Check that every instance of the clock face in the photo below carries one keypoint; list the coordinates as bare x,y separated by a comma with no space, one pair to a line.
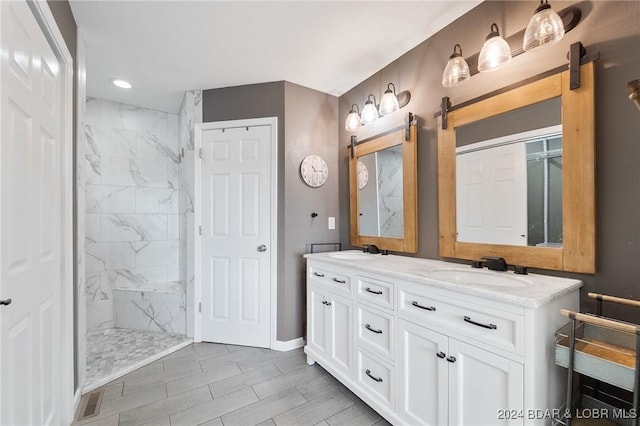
363,175
314,171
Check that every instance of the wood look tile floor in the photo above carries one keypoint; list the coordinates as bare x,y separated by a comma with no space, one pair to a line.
215,384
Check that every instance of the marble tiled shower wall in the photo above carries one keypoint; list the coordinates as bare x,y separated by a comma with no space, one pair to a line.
190,114
132,203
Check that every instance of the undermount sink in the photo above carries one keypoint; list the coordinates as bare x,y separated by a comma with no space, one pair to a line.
485,278
351,256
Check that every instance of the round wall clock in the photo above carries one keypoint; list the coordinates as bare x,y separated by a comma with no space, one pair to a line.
363,175
314,171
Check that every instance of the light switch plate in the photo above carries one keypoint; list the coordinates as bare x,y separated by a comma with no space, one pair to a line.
332,222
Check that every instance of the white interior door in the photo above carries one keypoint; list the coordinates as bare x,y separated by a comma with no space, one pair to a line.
491,192
236,246
31,223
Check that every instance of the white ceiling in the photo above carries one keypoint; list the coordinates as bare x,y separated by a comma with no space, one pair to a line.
166,47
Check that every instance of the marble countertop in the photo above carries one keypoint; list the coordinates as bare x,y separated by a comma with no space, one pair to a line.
531,291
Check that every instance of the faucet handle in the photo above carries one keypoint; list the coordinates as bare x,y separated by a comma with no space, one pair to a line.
495,263
373,249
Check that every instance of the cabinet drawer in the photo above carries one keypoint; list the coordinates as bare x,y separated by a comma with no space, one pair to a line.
334,279
375,331
504,330
376,378
375,291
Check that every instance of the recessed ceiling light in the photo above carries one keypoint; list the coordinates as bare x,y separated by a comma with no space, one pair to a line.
122,84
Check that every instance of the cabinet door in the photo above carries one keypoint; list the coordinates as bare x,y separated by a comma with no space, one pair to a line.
317,320
339,332
483,385
422,375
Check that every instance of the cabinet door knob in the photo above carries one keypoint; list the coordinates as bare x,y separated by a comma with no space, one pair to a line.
441,355
451,359
262,248
368,327
377,379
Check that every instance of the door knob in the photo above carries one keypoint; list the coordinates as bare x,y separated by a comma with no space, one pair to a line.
5,302
262,248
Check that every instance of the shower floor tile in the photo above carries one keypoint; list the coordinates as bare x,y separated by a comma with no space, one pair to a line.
114,352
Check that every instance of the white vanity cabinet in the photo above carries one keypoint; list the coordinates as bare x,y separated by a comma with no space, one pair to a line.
421,350
329,319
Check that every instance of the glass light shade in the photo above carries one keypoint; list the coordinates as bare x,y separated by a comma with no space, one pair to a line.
353,122
494,53
456,72
545,28
369,113
389,103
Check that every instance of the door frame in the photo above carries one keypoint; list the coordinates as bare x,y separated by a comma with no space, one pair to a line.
197,205
52,33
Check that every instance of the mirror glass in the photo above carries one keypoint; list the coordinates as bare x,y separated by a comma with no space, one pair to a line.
380,198
383,190
516,174
509,178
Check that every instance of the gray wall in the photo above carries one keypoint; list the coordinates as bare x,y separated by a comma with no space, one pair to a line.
608,27
307,124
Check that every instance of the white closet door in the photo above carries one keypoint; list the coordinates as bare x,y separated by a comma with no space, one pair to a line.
236,232
30,222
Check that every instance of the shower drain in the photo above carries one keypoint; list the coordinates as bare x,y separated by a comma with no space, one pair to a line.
90,405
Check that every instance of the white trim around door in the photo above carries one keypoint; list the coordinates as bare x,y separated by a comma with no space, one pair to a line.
199,129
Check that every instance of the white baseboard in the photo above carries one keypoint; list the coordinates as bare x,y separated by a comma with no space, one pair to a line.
289,345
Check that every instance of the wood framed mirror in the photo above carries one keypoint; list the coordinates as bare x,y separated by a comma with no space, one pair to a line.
383,191
575,250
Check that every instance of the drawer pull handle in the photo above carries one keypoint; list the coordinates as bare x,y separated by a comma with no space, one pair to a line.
318,275
368,327
328,303
324,302
372,291
479,324
426,308
377,379
441,355
451,359
339,281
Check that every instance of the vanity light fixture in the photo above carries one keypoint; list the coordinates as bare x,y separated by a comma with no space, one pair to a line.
457,69
369,112
121,83
495,52
353,119
545,28
389,102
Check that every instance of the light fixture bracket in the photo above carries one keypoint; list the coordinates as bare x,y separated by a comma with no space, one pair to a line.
544,4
